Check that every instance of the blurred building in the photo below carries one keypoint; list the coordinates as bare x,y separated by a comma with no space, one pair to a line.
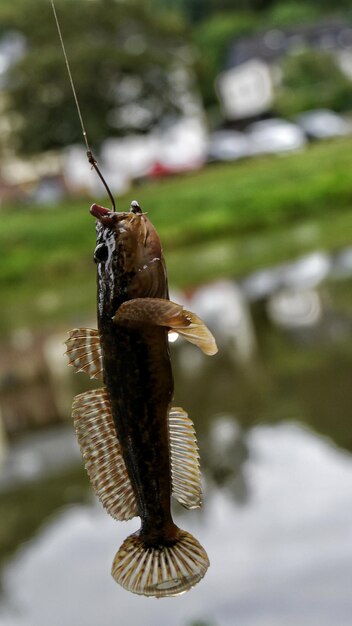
246,86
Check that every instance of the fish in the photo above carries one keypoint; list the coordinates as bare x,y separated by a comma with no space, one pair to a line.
138,450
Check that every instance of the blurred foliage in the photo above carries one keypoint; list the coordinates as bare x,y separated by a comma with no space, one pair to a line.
122,57
292,13
311,80
199,10
227,220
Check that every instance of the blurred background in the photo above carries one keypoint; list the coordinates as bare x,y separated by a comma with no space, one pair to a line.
231,123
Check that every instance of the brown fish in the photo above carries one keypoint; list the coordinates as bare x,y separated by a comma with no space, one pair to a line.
139,451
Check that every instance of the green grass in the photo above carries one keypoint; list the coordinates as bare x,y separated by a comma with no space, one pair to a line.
226,220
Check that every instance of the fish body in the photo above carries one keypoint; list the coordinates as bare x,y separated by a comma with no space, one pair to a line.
138,450
137,368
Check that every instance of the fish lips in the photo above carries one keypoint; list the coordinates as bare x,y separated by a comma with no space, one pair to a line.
105,216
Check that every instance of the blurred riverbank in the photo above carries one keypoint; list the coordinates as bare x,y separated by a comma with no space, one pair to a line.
226,221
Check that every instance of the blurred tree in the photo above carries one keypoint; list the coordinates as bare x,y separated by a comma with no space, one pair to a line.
198,10
286,14
122,57
312,79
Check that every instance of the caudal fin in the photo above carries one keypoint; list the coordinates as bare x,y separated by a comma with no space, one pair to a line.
162,571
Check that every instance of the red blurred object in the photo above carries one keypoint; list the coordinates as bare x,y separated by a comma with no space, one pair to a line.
159,169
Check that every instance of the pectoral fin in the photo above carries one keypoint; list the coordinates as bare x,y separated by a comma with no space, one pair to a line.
101,451
84,352
185,472
163,312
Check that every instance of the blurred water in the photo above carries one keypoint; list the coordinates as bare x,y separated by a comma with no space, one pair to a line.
272,414
284,558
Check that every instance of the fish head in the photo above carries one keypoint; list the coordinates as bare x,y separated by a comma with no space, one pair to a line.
128,249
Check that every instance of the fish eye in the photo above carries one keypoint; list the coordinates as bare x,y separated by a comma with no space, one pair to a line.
101,253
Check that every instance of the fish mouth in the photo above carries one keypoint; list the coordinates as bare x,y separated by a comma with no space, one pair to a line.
105,216
111,219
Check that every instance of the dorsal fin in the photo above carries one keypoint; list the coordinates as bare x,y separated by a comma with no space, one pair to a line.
84,351
185,471
101,451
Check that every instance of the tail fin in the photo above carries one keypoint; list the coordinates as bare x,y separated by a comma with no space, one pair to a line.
162,571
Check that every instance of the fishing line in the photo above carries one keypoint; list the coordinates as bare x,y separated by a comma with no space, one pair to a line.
90,156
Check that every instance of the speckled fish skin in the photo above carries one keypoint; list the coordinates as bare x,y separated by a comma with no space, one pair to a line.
136,363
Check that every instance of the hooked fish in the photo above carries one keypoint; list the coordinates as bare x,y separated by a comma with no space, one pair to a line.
137,449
